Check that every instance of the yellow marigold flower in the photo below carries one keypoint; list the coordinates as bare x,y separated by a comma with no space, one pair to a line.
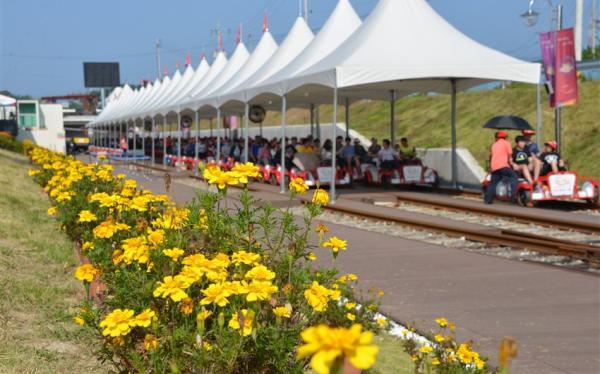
32,172
439,338
245,318
150,342
243,257
380,293
426,349
187,306
117,257
350,316
259,290
327,345
156,237
260,273
321,228
101,157
215,294
105,230
173,253
311,256
145,318
435,361
479,363
207,346
86,216
203,315
350,306
220,178
317,296
129,183
172,287
52,211
86,273
442,322
78,320
336,244
452,326
86,246
297,185
282,312
320,197
236,287
118,322
381,321
135,249
245,171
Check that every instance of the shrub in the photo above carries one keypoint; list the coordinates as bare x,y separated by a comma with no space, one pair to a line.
11,144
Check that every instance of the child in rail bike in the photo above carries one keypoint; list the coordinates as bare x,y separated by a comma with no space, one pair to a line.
500,157
551,161
521,161
533,151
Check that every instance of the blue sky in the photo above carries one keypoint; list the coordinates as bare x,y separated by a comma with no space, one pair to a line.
43,43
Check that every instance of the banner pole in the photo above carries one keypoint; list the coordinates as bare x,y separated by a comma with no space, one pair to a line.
557,113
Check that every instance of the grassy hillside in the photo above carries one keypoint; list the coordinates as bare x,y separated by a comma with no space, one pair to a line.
425,120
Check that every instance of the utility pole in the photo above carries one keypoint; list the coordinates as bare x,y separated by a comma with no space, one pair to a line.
578,28
559,15
158,58
594,26
306,11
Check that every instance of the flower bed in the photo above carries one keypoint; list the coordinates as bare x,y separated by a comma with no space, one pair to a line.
210,287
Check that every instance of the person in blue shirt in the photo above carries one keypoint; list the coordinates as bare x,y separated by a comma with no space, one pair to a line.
533,152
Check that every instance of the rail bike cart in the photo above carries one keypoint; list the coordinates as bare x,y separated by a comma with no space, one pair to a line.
562,186
409,173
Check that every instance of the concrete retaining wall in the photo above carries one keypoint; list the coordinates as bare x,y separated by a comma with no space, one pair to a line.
470,173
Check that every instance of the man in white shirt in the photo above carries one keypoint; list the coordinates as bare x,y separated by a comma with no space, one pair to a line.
388,156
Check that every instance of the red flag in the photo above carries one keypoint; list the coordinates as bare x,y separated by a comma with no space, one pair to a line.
202,56
265,22
166,71
188,60
177,64
220,42
565,89
238,37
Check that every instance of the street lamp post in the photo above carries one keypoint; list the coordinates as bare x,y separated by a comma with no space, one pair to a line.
530,18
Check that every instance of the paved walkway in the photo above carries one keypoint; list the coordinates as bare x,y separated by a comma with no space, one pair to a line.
553,314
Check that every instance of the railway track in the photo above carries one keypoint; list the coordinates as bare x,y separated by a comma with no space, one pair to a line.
525,215
489,235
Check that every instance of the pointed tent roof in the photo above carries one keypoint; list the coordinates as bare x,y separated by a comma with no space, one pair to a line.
158,88
406,30
217,66
168,96
265,48
140,98
296,40
236,62
151,104
200,72
342,22
134,105
125,95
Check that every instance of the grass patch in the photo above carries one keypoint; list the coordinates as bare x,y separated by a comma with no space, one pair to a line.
38,294
391,357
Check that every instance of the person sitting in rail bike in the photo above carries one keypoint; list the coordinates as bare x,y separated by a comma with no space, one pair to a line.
388,156
521,160
551,161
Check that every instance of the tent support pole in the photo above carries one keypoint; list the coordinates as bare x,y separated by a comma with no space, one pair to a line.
453,130
393,117
538,116
260,129
120,131
197,127
312,120
210,124
218,135
152,154
178,137
246,134
164,136
143,133
283,145
318,123
134,140
347,114
334,149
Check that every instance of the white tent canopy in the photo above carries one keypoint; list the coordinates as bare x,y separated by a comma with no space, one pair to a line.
342,23
297,39
265,48
407,40
182,94
7,100
238,59
187,76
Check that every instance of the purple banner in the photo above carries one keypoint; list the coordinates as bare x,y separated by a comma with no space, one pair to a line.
548,45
